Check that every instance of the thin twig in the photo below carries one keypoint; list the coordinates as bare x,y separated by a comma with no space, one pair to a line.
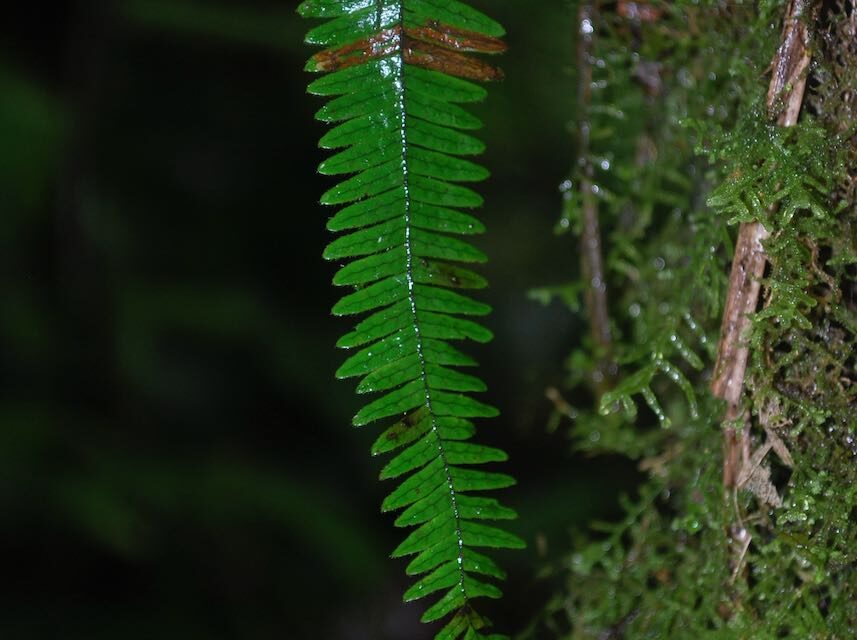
785,96
592,261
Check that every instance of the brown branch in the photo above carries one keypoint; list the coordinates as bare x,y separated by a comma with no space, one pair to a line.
785,96
591,259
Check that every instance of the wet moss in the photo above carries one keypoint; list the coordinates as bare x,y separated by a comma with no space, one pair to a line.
686,163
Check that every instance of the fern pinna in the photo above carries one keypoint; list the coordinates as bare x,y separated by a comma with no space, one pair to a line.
397,69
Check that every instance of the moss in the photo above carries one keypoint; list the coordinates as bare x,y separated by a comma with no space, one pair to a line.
689,561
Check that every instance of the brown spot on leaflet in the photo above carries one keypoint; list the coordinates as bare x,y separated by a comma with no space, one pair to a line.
434,46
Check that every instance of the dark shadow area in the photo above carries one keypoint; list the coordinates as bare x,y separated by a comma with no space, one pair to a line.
176,459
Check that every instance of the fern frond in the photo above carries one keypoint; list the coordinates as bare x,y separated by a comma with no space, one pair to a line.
396,72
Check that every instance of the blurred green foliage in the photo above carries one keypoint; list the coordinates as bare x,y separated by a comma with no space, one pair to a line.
174,450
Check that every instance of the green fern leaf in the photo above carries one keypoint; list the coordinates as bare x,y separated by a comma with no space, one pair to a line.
396,71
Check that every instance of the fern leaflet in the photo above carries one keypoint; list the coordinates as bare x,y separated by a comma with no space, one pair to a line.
396,72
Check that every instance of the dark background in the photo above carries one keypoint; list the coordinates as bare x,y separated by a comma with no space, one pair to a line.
176,459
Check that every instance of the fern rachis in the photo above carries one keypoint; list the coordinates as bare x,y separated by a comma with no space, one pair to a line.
401,133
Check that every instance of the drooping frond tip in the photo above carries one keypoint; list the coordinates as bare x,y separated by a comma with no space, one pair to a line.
397,71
